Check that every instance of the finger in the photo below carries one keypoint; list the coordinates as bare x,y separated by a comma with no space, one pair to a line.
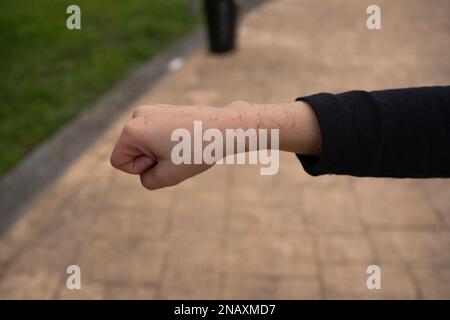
128,158
140,165
157,177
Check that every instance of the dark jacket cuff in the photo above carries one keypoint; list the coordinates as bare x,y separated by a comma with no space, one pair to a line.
334,121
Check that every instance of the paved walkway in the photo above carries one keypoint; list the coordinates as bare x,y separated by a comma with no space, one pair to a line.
231,233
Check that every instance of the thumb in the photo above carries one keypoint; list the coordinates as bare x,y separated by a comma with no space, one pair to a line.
165,174
160,175
129,158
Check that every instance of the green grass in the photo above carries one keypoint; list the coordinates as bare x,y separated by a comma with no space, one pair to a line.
49,74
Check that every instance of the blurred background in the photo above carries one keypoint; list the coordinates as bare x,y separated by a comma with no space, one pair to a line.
229,233
50,73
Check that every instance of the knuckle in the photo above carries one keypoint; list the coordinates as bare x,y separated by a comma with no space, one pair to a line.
114,155
114,158
138,111
113,161
130,127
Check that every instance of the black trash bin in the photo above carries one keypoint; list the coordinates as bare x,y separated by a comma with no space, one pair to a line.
222,20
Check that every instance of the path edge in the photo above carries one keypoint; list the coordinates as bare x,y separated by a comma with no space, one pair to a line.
48,161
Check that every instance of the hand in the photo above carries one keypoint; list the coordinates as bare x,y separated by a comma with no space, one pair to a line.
144,146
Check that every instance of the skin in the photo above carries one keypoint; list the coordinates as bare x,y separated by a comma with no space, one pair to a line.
144,146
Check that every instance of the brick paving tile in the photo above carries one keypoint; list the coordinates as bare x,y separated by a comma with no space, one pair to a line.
269,287
349,282
433,282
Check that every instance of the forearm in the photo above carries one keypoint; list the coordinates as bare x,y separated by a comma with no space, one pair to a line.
297,124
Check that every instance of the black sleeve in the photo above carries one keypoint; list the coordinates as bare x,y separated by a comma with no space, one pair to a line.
391,133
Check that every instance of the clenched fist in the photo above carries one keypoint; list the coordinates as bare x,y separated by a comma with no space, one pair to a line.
144,146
